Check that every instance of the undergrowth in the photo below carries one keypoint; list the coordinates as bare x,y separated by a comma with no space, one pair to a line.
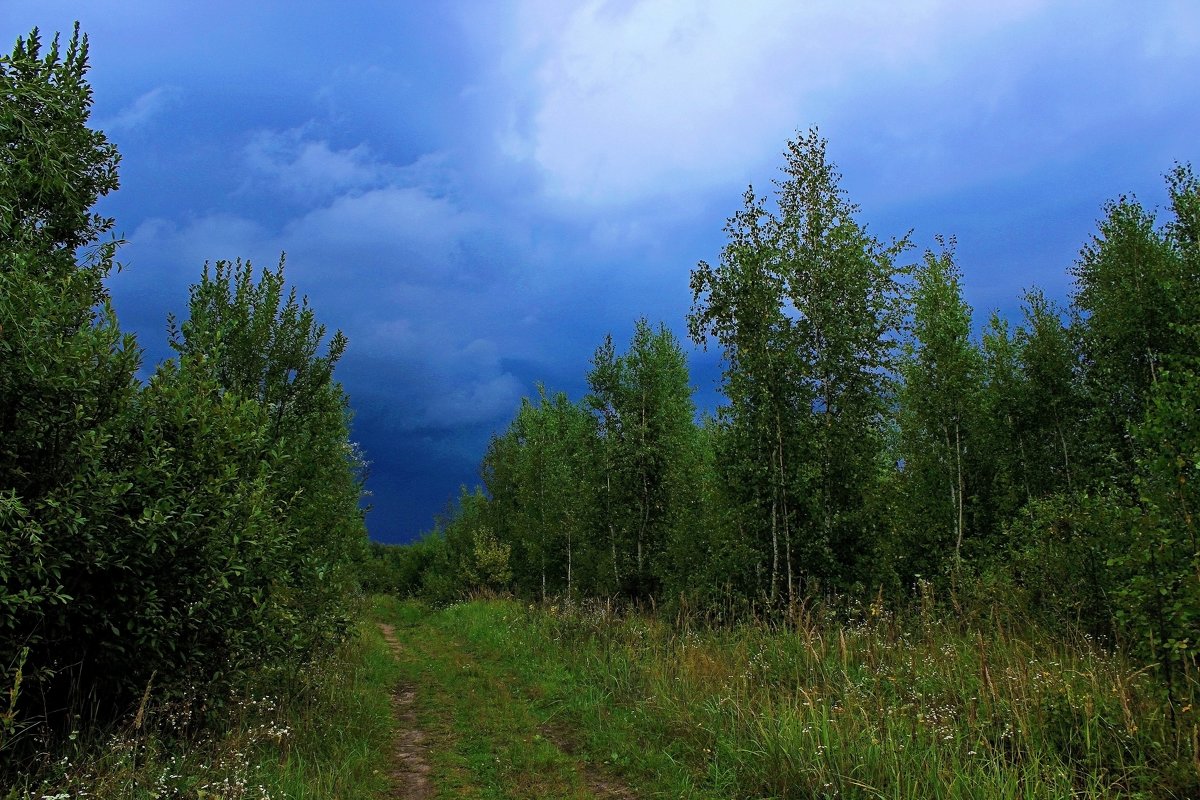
323,731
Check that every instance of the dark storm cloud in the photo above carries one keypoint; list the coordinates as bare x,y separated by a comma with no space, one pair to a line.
477,193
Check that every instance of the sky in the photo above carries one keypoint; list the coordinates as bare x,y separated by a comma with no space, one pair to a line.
476,193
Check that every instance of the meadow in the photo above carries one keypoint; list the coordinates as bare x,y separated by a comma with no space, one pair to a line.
849,702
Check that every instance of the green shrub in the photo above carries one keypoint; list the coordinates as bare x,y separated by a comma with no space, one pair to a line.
174,536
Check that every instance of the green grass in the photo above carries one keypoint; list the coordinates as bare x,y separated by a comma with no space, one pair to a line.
491,735
868,709
322,733
524,701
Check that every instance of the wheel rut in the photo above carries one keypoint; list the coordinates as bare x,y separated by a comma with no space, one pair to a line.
411,771
410,758
598,783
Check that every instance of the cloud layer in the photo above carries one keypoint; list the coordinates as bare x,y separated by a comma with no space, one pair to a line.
633,97
477,193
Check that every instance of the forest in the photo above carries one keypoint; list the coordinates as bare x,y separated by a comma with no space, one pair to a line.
871,442
872,449
903,558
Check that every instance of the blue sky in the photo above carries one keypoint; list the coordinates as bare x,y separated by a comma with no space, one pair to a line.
477,192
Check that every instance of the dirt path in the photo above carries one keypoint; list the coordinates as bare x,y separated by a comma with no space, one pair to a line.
597,782
410,771
488,723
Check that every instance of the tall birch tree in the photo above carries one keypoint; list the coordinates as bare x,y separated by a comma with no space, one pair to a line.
941,372
642,402
806,306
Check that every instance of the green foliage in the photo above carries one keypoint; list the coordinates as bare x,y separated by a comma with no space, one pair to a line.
1158,599
183,535
259,344
1058,556
1136,285
214,538
761,459
325,732
480,559
1046,471
538,476
942,377
806,307
646,451
156,530
391,569
69,447
1052,402
53,167
710,563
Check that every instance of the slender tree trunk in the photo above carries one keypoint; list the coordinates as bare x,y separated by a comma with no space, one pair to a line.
1024,462
787,531
775,490
1062,440
952,485
612,530
542,532
645,493
961,517
774,548
827,461
645,522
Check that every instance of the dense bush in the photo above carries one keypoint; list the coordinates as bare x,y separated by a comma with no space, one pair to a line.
172,536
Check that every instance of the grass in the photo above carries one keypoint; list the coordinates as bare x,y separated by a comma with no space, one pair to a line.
569,701
865,708
320,734
490,734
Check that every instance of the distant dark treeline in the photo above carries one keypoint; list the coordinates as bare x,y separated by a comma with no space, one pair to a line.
869,442
174,535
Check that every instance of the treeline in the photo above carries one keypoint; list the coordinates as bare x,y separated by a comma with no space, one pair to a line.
170,536
870,442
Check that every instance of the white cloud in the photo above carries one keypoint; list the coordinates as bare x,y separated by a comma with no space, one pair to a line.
312,168
482,397
383,263
141,111
384,220
182,249
357,211
453,380
636,96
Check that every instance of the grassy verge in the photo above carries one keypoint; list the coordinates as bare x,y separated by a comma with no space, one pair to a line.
322,733
871,709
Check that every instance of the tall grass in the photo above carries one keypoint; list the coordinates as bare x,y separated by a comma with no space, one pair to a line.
320,732
852,703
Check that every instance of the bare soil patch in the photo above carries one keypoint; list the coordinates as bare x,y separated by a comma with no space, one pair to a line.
410,759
